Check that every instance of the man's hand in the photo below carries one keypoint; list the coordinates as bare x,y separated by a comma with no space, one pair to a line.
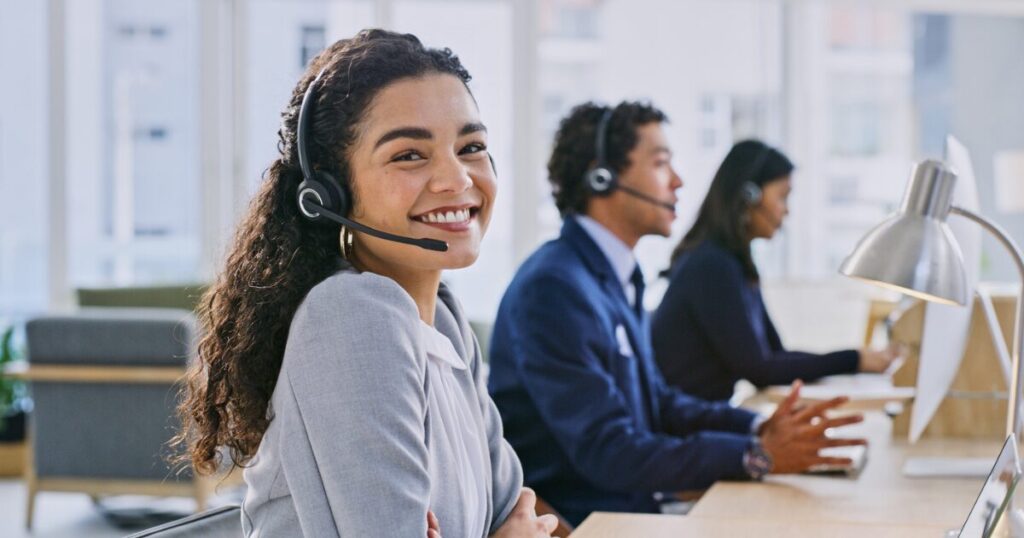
523,521
794,435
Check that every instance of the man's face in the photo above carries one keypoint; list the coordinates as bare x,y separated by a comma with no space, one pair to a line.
649,172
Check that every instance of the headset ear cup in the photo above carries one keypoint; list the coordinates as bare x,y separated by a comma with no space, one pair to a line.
312,191
751,193
601,181
324,190
340,199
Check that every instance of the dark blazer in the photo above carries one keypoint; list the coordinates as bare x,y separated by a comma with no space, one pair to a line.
582,401
712,329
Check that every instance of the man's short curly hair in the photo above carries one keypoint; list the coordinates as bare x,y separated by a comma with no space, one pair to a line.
575,148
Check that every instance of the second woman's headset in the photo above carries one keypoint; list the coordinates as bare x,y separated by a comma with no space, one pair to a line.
750,191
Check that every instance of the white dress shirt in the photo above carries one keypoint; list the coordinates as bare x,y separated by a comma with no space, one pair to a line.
619,255
464,432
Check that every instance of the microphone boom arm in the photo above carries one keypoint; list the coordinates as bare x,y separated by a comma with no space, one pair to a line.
423,242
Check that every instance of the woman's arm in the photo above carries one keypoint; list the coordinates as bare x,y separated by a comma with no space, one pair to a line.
716,303
353,447
507,473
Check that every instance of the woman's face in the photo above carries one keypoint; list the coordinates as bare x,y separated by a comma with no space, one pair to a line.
420,169
766,216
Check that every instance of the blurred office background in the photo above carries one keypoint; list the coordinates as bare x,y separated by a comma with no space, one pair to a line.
132,132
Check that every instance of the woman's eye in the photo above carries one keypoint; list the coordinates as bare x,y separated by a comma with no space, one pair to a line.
475,147
408,157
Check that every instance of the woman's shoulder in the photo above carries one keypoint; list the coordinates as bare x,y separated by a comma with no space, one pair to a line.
707,258
364,294
362,316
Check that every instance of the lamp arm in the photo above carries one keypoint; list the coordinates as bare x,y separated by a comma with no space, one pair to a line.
1016,380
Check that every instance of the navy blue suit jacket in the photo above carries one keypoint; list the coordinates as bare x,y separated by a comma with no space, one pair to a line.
712,329
583,404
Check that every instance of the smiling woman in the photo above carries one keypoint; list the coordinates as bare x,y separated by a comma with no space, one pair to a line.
345,378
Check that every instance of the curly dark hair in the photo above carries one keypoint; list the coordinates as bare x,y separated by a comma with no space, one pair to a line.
277,255
575,149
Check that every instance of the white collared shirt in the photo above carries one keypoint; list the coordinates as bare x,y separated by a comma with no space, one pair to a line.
619,255
464,436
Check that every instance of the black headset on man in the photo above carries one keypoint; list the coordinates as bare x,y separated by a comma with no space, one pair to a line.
322,196
602,180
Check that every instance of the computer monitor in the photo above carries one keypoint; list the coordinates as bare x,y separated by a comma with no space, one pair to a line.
995,494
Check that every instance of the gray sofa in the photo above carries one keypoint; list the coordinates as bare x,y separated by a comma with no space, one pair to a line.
104,387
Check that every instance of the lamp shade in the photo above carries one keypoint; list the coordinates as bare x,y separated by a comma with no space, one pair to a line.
914,251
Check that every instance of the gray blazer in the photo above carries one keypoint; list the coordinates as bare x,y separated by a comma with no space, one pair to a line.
354,446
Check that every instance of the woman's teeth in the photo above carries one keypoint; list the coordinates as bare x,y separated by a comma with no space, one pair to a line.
446,217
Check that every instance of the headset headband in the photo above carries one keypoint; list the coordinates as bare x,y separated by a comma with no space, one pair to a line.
303,127
602,130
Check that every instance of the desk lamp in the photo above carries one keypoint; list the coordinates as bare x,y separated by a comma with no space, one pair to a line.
914,252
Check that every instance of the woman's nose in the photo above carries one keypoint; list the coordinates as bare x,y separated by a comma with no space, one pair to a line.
451,175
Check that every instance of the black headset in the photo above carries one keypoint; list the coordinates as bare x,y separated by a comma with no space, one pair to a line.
321,196
750,191
602,180
317,187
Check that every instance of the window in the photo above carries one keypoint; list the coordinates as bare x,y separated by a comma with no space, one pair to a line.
133,191
852,93
313,41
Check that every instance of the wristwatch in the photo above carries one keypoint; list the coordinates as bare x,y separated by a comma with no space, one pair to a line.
756,461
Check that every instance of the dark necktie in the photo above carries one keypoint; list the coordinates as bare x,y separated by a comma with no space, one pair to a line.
638,289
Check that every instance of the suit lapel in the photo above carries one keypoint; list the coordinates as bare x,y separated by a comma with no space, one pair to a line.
595,260
634,323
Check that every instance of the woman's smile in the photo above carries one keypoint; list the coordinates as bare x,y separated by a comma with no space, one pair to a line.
450,218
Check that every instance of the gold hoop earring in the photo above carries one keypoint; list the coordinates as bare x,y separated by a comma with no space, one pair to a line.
345,241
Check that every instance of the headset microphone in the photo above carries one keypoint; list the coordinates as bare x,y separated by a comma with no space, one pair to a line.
429,244
321,196
647,198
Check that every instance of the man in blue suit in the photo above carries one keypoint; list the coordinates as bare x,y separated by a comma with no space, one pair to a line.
572,370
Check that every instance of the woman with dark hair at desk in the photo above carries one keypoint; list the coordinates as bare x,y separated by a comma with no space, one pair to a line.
712,327
336,368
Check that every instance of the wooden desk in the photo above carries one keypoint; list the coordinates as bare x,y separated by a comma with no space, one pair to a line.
881,502
880,495
607,525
